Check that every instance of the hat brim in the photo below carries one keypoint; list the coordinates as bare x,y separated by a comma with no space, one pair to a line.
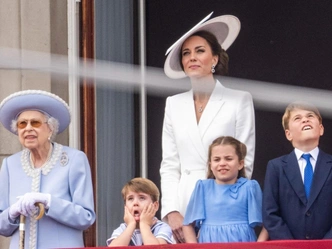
226,28
37,100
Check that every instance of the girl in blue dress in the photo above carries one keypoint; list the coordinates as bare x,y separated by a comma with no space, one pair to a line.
226,207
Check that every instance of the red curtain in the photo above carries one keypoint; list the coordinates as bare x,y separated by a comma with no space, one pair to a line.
285,244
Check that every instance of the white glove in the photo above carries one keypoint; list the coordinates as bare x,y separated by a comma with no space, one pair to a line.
15,210
28,201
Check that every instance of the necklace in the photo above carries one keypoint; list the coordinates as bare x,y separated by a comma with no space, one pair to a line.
200,109
47,159
46,168
35,173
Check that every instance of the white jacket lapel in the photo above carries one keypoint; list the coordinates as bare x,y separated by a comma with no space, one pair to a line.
212,108
189,116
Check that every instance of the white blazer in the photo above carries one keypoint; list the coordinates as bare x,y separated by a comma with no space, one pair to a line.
185,143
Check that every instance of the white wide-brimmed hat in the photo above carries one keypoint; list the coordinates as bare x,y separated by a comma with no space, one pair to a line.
37,100
226,28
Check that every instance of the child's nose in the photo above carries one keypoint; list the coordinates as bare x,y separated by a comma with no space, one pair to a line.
305,119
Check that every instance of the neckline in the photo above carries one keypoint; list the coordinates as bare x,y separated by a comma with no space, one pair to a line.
49,153
28,167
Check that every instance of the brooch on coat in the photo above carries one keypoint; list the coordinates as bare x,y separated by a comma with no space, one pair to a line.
64,159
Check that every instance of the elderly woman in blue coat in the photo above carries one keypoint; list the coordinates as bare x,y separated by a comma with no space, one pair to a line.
43,172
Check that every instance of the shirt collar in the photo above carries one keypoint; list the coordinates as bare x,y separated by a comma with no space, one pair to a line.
313,153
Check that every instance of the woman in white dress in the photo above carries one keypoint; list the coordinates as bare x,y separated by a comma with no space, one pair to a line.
195,118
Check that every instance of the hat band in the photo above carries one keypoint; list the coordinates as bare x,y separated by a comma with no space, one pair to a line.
38,110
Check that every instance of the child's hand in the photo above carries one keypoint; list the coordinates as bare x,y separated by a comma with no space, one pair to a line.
128,217
148,214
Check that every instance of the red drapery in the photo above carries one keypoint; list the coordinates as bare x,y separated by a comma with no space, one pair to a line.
284,244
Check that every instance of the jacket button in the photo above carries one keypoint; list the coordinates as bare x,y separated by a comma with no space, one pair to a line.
187,172
307,213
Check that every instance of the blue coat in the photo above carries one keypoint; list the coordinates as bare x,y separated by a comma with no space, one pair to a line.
286,212
68,180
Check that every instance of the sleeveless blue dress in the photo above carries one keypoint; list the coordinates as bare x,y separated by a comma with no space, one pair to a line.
225,213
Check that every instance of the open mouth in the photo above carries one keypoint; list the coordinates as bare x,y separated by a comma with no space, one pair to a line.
29,136
136,213
306,128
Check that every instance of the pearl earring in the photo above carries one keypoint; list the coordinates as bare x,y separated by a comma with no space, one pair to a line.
212,69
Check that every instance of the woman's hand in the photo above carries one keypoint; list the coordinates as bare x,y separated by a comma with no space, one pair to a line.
28,201
15,210
175,221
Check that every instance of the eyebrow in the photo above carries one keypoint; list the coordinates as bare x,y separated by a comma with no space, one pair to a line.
200,46
307,113
26,119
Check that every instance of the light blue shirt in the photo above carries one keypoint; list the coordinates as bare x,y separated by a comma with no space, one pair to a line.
160,230
302,162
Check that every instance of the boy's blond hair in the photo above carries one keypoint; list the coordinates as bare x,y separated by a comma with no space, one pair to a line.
141,185
301,106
